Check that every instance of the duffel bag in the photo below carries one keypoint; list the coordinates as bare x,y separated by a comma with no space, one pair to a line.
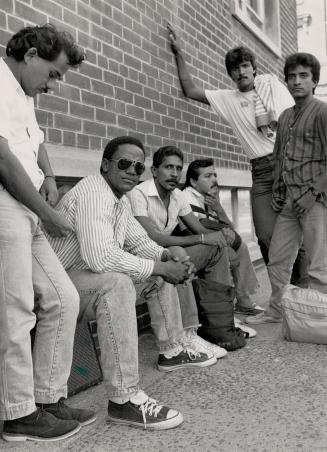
304,315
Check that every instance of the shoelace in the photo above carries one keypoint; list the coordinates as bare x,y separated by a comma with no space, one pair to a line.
150,406
192,354
190,335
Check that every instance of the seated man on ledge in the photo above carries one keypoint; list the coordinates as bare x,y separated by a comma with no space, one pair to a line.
159,205
106,251
201,192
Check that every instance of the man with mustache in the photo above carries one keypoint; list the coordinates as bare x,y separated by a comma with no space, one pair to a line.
106,253
253,118
201,192
159,205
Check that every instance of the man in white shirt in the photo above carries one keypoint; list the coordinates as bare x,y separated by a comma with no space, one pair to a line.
33,282
106,252
200,186
253,117
158,205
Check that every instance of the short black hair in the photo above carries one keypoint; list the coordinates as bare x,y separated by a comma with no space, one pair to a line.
238,55
49,43
114,144
303,59
166,151
193,170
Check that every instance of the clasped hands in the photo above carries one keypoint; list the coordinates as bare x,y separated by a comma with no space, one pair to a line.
185,269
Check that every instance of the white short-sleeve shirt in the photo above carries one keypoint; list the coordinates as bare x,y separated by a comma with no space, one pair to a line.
18,124
238,109
146,202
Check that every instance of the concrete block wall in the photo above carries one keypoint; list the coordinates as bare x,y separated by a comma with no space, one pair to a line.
129,84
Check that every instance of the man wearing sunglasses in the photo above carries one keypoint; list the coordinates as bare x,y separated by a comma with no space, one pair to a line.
106,252
158,205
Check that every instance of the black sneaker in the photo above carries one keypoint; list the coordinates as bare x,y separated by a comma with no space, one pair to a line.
144,412
65,412
186,358
39,426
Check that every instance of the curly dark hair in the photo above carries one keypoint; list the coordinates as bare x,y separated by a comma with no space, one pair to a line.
49,43
193,170
238,55
303,59
166,151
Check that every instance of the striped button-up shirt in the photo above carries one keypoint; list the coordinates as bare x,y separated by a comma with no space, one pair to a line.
146,202
300,151
106,236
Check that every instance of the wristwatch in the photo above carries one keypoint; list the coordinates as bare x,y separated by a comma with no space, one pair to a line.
315,193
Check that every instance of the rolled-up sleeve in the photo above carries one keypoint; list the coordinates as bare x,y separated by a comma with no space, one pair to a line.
138,242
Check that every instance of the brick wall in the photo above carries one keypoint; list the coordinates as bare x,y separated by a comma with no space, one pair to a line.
129,85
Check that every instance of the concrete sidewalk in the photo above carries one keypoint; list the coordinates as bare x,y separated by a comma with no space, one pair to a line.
269,396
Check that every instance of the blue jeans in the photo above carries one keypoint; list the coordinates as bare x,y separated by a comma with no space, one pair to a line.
33,284
264,217
172,310
244,277
110,298
288,235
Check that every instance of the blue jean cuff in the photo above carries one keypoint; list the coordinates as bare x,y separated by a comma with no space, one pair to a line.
14,411
124,395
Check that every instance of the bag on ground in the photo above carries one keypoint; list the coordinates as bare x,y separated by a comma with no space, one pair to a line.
216,314
304,315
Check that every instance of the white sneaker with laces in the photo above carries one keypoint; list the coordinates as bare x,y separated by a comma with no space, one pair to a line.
200,345
250,332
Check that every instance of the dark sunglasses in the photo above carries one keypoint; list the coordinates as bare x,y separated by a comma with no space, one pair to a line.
123,164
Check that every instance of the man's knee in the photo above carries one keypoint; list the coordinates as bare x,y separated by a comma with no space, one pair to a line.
71,297
118,284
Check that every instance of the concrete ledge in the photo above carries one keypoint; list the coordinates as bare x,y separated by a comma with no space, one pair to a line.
68,161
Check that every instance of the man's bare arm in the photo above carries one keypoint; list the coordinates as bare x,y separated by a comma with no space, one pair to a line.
204,236
188,86
167,240
48,190
213,202
17,182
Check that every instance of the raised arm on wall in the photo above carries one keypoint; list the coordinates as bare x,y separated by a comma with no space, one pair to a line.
188,86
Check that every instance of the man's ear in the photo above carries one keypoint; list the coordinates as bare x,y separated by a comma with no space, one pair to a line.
105,165
193,182
153,171
31,53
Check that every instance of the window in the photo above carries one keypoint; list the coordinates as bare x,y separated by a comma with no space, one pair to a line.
262,18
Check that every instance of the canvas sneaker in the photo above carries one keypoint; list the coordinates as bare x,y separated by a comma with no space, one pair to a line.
62,411
186,358
262,318
248,332
198,344
144,412
39,426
